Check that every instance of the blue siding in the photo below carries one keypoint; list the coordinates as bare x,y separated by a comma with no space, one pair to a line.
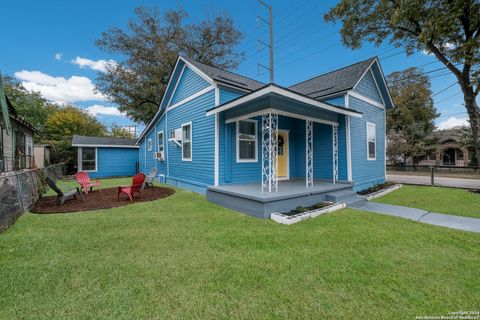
366,172
342,149
141,156
367,87
337,101
228,95
115,162
189,84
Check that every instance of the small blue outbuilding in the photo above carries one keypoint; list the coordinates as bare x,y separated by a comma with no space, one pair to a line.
104,157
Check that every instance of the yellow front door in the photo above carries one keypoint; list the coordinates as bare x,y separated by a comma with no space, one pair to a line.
282,159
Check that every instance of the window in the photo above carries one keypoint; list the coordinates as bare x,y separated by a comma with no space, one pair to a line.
89,159
371,141
149,144
160,147
187,142
247,141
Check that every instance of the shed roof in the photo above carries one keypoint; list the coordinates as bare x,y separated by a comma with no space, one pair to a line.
112,142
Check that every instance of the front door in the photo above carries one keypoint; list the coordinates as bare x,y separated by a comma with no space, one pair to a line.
282,158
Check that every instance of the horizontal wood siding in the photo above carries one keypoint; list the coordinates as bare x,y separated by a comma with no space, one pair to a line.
200,169
366,172
337,101
342,148
367,87
322,151
115,162
227,95
141,156
161,165
189,84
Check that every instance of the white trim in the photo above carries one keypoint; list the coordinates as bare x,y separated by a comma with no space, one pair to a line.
167,146
282,113
286,93
216,170
287,177
364,73
349,148
237,142
366,136
385,83
383,79
104,146
190,98
200,72
191,140
365,99
376,85
176,85
163,141
149,144
385,143
79,159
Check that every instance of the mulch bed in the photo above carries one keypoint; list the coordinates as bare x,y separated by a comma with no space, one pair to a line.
105,199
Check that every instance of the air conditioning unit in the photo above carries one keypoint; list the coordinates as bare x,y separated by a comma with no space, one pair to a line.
158,155
176,136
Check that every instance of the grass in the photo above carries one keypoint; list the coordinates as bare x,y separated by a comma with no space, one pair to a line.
183,257
457,202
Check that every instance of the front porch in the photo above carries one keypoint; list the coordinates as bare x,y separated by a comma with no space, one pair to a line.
248,197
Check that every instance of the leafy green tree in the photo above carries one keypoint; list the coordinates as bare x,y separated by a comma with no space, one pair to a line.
411,123
450,30
150,47
121,132
31,106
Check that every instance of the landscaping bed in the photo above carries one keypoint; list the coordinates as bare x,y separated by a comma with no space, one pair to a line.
376,188
104,199
303,213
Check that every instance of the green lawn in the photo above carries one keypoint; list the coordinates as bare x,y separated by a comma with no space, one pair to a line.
436,199
182,257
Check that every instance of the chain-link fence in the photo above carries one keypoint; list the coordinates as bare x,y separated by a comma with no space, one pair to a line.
20,190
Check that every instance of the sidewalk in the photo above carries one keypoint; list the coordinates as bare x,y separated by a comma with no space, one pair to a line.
423,216
439,181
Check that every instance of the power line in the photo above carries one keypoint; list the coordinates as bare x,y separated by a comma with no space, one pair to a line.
443,90
449,97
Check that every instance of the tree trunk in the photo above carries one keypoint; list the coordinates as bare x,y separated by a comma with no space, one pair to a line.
474,115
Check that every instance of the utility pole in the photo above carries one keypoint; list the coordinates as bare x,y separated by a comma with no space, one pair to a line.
270,46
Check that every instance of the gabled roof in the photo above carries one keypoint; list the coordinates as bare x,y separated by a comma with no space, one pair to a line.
85,141
335,81
226,77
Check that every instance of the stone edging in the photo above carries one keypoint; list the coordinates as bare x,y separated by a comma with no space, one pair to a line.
284,219
382,192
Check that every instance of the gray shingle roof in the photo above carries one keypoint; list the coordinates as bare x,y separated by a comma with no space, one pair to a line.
102,141
227,77
334,81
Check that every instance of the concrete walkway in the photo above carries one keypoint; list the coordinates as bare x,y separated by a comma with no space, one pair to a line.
439,181
438,219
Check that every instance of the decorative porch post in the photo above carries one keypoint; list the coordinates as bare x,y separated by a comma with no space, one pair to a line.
269,152
309,153
335,153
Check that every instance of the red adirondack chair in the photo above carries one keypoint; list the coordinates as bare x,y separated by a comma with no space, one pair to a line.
136,187
85,183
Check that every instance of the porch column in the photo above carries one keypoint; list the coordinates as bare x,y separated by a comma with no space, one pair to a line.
309,153
269,152
335,152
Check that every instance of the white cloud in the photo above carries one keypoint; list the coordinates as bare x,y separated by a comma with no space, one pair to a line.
448,46
59,89
99,65
97,109
58,56
452,123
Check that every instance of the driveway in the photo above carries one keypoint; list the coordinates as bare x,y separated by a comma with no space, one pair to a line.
439,181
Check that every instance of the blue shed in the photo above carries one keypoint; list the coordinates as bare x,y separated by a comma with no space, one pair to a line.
259,148
104,157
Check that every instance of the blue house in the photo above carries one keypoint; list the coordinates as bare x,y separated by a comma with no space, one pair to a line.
260,148
104,157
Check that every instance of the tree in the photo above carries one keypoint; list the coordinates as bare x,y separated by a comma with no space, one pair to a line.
450,30
121,132
466,141
411,123
31,106
150,46
70,120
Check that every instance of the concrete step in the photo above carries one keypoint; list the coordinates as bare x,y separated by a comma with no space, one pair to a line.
341,195
356,201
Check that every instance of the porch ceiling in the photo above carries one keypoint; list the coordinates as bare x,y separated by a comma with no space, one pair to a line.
273,98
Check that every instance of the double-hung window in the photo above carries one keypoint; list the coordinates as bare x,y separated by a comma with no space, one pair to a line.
371,141
187,141
89,159
161,146
149,144
247,141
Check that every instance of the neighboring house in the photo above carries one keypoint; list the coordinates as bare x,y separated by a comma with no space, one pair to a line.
42,154
105,157
449,150
234,138
16,144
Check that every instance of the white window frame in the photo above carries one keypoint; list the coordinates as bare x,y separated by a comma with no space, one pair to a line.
163,143
149,144
370,124
80,160
191,141
237,140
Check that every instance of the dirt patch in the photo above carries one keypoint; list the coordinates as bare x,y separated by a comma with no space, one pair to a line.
105,199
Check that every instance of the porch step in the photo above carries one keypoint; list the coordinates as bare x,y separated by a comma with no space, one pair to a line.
341,195
355,201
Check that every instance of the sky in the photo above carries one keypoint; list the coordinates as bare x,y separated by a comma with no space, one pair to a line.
50,47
